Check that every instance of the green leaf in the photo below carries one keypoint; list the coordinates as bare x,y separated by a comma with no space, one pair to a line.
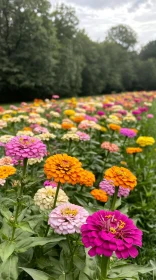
25,227
24,245
6,250
9,269
37,274
5,213
129,271
79,263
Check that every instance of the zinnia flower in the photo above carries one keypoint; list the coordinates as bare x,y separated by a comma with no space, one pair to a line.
133,150
112,148
145,141
99,195
2,182
87,178
109,188
111,231
50,183
70,136
150,116
121,176
63,168
6,171
32,161
6,161
83,136
44,198
21,147
6,138
67,125
127,132
67,218
114,127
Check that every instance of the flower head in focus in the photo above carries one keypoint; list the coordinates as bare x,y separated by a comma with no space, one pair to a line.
111,231
44,198
99,195
63,168
121,176
21,147
87,178
67,218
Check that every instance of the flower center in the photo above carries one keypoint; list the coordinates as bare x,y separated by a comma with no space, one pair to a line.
26,141
69,211
50,192
111,224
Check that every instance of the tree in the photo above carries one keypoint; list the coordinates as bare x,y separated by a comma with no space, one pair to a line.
70,62
122,35
149,50
28,47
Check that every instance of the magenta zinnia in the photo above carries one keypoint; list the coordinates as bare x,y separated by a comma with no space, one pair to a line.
67,218
111,231
21,147
127,132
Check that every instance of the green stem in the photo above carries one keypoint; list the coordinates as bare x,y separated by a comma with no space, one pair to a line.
69,146
114,198
71,253
101,175
54,205
104,267
6,185
19,197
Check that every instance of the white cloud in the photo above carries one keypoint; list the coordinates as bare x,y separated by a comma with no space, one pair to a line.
97,16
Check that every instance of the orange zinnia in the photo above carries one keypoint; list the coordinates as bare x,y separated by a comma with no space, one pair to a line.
87,178
63,168
121,176
66,125
114,127
99,195
6,171
133,150
27,128
77,119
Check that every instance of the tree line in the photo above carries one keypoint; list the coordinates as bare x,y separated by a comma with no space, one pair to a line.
44,52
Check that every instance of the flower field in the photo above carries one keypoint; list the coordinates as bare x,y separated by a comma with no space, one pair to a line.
77,188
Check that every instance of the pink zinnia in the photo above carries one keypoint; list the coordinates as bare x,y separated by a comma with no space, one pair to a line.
50,183
113,148
83,136
90,118
150,116
67,218
101,113
55,96
127,132
109,188
111,231
40,129
21,147
6,161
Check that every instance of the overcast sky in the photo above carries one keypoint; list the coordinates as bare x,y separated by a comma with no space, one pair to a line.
97,16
